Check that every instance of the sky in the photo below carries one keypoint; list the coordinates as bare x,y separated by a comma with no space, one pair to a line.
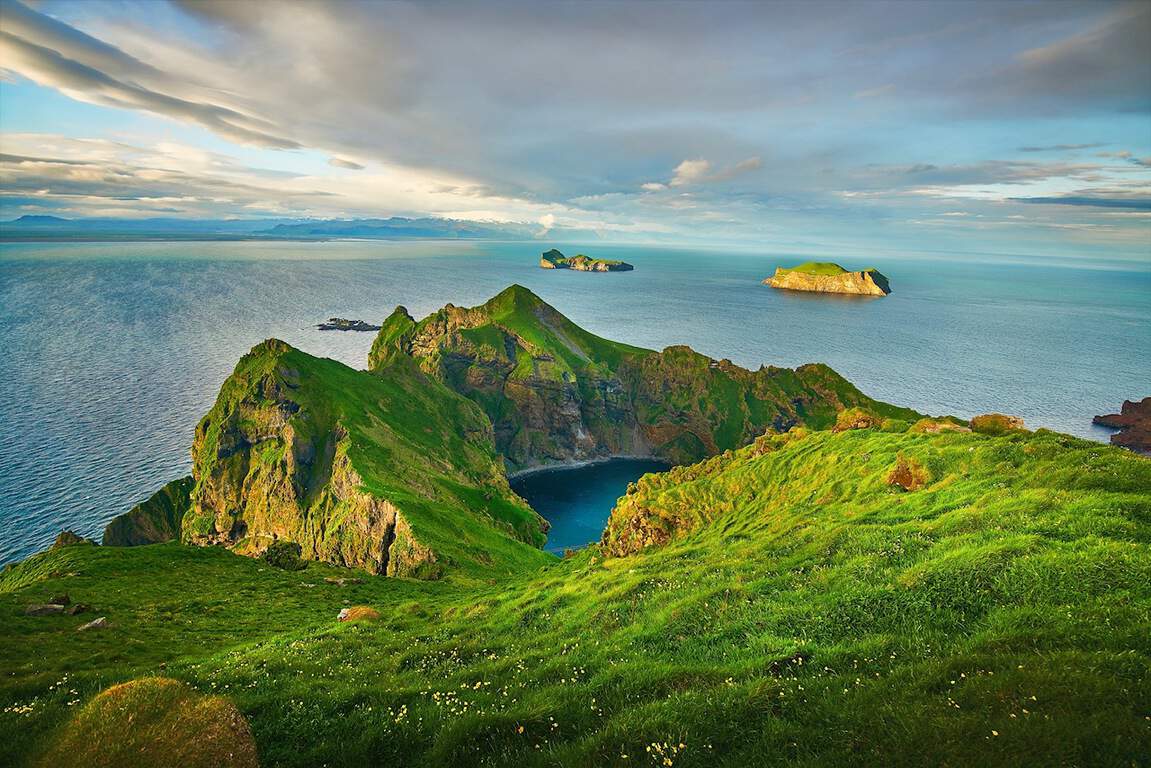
822,127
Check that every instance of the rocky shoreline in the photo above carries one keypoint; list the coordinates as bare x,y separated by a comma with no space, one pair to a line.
1134,424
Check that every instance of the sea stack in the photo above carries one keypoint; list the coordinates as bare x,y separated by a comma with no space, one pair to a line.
827,277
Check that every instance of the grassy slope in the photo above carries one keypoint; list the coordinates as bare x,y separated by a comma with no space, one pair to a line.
1001,615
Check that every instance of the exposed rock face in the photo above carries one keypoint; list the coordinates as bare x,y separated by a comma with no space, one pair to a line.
152,521
556,393
299,449
553,259
996,423
1134,424
868,282
68,539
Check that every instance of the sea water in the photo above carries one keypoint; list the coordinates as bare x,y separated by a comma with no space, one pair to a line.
111,352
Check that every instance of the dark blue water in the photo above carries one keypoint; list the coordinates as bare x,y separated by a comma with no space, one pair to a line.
577,501
111,352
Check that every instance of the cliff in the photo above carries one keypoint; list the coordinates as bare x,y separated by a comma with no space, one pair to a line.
553,259
391,474
1134,424
152,521
825,277
556,393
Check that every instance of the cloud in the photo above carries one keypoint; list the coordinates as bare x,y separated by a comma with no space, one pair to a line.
24,48
1133,203
700,172
690,172
653,186
547,222
339,162
1061,147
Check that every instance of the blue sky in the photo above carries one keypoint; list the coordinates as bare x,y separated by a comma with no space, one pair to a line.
828,127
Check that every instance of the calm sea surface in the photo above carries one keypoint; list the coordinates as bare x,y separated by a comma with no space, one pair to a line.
110,352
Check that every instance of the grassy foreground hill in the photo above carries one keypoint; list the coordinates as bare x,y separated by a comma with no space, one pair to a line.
805,609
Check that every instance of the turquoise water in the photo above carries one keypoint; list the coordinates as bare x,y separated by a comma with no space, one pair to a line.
112,351
577,501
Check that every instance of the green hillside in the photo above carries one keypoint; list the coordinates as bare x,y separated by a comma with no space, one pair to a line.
555,392
803,609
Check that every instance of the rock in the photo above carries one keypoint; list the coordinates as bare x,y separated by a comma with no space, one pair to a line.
78,608
856,418
153,721
61,600
50,609
284,555
553,259
936,426
1134,424
996,424
342,581
359,613
826,277
100,623
908,474
154,520
341,324
68,538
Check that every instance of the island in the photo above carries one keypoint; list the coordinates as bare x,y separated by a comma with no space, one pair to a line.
554,259
341,324
828,277
1134,424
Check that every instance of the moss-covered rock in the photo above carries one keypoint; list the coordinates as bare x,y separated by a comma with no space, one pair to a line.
152,521
154,722
996,424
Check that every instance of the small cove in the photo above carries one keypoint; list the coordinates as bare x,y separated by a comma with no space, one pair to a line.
577,500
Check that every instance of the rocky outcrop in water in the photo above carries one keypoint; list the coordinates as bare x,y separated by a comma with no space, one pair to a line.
825,277
553,259
1134,424
341,324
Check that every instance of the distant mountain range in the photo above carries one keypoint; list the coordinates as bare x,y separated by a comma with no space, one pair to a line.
40,227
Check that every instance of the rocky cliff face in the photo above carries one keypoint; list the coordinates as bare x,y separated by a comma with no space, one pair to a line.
1134,424
556,393
865,283
358,470
553,259
152,521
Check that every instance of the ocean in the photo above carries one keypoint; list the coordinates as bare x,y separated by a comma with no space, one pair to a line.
111,352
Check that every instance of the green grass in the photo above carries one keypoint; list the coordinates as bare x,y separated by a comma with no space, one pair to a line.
822,268
803,612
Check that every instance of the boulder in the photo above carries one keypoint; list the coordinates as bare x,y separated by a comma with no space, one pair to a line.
67,538
908,474
100,623
996,424
49,609
359,613
153,722
856,418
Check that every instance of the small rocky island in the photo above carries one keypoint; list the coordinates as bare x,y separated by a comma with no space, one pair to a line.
827,277
341,324
1134,424
553,259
